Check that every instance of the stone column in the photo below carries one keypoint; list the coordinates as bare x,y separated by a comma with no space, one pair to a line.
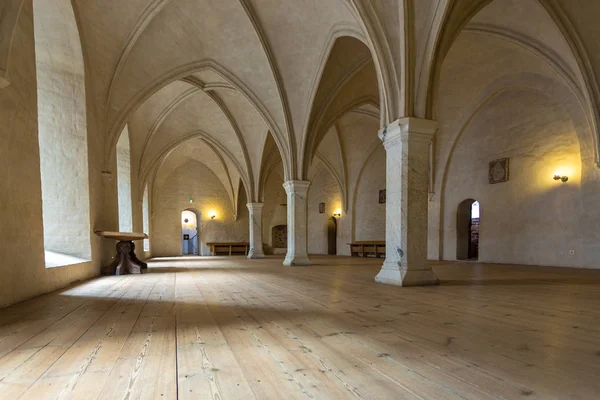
297,217
256,242
406,143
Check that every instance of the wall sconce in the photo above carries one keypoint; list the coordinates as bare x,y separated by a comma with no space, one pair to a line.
213,216
337,214
563,178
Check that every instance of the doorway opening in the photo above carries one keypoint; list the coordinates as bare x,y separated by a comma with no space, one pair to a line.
190,233
467,230
332,236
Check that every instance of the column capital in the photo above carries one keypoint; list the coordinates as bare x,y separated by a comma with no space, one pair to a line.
409,128
255,206
298,187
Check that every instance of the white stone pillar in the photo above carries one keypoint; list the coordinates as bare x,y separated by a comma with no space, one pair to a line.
256,242
297,217
406,143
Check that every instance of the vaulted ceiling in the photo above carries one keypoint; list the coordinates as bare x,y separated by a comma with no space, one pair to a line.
238,74
230,73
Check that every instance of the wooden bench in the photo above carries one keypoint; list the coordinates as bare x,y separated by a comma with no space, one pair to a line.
367,248
229,248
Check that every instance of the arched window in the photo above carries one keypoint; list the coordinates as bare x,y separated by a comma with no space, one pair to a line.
124,182
62,133
146,218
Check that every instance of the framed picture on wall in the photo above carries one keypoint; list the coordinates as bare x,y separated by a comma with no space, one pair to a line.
321,208
382,196
498,171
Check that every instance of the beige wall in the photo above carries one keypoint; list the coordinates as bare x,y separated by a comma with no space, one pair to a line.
274,213
497,99
21,233
365,217
323,189
531,219
369,214
194,179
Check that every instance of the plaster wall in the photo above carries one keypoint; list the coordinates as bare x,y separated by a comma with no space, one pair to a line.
172,193
356,155
323,189
476,70
369,223
531,219
21,232
274,214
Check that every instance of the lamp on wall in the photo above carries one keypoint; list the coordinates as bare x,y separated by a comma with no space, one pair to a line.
562,178
337,213
213,215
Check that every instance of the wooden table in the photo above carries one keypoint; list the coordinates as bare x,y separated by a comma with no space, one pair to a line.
228,248
125,262
364,248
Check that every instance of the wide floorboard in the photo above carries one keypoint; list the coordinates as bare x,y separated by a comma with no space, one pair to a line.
229,328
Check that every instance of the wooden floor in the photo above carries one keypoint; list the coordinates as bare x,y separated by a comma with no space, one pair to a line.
228,328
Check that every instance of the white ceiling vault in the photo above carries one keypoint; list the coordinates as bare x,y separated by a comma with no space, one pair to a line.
228,72
239,74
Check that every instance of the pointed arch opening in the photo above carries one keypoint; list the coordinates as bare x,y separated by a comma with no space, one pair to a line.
146,217
124,182
348,79
62,133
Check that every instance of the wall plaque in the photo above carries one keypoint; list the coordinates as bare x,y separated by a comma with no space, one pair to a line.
321,208
498,172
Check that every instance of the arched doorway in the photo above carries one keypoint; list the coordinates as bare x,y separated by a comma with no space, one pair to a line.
467,230
190,233
332,236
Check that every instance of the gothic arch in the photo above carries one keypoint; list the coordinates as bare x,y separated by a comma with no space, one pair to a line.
459,13
543,85
182,72
154,165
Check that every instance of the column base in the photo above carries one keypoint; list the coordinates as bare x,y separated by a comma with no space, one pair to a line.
255,255
296,261
392,274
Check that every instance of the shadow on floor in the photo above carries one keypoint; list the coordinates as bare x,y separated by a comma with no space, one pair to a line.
525,281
